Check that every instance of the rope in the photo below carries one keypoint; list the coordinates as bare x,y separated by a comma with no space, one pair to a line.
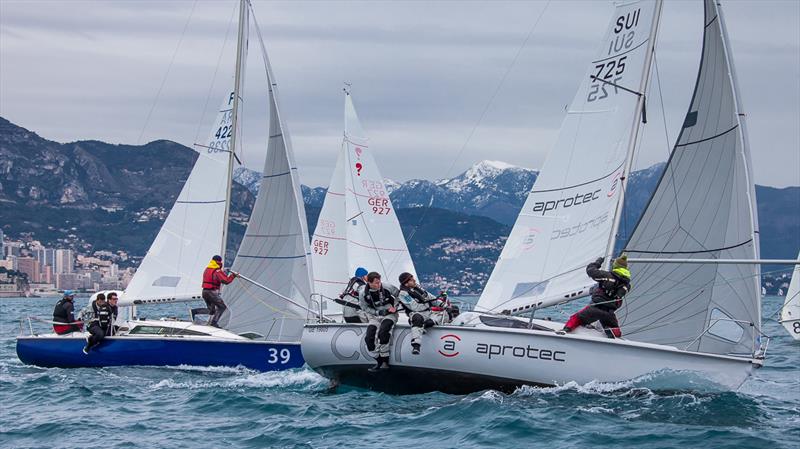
480,119
166,75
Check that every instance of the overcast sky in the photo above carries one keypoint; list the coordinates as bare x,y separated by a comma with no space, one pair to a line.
422,74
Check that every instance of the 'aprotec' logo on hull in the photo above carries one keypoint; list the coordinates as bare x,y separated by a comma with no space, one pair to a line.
529,352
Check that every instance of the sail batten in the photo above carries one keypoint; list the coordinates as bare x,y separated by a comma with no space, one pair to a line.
702,208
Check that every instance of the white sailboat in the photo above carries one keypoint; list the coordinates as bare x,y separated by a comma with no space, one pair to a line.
790,313
705,318
261,328
358,225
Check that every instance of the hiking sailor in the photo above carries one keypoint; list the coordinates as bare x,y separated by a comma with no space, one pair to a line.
607,296
379,302
64,312
426,310
100,318
213,277
351,310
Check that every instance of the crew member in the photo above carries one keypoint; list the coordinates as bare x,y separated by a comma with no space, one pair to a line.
426,310
607,296
112,299
379,302
99,316
64,312
351,310
213,277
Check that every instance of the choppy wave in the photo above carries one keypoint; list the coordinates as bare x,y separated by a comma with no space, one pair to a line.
187,406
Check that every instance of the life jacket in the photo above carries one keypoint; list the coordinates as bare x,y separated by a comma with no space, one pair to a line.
353,286
379,298
60,312
213,276
102,315
421,296
608,292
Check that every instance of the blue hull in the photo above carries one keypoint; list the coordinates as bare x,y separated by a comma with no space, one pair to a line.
60,352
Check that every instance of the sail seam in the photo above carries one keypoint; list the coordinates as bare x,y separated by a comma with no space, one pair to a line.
579,185
200,202
272,235
707,138
623,53
276,175
270,257
689,252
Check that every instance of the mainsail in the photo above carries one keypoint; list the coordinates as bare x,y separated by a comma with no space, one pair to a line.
790,314
568,217
193,230
274,251
703,207
358,225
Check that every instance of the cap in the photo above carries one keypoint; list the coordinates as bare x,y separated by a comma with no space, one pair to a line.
621,261
361,272
218,258
405,277
68,293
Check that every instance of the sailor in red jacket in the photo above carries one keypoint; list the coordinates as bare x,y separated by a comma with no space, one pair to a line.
213,277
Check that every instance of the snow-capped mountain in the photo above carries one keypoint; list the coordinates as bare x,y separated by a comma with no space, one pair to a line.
491,189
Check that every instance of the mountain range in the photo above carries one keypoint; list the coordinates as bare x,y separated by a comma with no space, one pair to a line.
92,195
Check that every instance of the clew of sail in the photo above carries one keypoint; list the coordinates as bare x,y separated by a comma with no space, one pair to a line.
568,216
790,313
193,230
358,225
702,208
274,250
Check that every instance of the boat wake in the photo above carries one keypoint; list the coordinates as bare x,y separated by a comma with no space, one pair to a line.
298,379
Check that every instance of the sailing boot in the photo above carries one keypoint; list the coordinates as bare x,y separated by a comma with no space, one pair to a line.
377,366
385,364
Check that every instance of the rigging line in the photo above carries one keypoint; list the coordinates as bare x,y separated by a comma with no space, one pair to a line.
214,77
483,113
200,124
537,284
166,75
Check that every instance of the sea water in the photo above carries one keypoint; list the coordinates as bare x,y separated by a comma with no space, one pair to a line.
216,407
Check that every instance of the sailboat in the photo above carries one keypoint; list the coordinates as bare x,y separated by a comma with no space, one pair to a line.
696,316
357,225
257,329
790,313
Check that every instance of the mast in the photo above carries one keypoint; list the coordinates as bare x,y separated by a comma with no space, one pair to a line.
240,47
640,104
744,141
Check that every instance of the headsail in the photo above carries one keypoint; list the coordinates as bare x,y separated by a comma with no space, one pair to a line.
193,230
358,225
568,216
790,314
703,207
274,251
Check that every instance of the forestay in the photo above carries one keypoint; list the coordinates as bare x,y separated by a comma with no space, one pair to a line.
192,232
274,251
703,207
358,225
568,216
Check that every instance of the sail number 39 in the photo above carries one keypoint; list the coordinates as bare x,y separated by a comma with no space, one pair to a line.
281,356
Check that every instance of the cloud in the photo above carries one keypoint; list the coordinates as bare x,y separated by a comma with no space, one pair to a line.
422,75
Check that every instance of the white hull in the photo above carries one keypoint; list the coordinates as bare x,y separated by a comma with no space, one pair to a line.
462,359
793,327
